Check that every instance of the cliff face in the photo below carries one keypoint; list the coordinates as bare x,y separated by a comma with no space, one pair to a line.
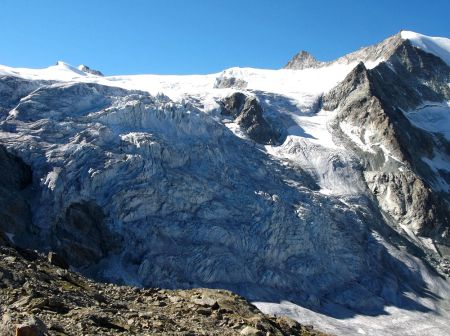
374,104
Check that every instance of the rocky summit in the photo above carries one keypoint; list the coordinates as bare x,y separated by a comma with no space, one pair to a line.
319,191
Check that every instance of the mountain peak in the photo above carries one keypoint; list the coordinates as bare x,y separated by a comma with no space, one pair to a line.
303,60
374,54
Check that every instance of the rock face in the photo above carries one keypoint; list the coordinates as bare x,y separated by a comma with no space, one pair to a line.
303,60
370,55
248,114
373,102
408,200
32,327
41,299
81,234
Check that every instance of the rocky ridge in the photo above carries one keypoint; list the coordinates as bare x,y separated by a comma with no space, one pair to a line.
303,60
372,102
370,55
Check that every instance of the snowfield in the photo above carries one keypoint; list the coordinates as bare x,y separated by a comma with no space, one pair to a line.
439,46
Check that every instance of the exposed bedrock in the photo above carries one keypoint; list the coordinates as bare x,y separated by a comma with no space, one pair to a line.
373,104
303,60
249,115
81,236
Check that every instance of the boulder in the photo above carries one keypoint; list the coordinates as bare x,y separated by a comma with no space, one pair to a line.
57,260
32,327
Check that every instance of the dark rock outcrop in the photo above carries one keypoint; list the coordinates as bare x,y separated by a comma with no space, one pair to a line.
249,115
15,212
410,77
81,235
56,260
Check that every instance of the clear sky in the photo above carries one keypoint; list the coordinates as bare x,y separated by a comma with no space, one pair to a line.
202,36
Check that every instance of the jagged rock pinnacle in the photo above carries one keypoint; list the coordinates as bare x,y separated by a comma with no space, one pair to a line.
303,60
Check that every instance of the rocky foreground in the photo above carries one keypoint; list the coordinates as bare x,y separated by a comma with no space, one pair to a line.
39,296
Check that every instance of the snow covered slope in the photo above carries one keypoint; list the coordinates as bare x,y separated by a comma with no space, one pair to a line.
164,181
439,46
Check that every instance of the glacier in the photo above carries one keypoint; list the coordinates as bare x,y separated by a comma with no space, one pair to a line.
144,180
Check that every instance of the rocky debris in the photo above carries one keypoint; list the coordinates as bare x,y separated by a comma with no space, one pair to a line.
88,70
40,299
303,60
248,115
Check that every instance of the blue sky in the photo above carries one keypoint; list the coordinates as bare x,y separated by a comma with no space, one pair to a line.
202,36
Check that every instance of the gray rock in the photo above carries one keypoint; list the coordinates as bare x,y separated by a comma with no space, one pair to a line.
375,102
225,82
249,115
87,69
376,52
250,331
32,327
303,60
